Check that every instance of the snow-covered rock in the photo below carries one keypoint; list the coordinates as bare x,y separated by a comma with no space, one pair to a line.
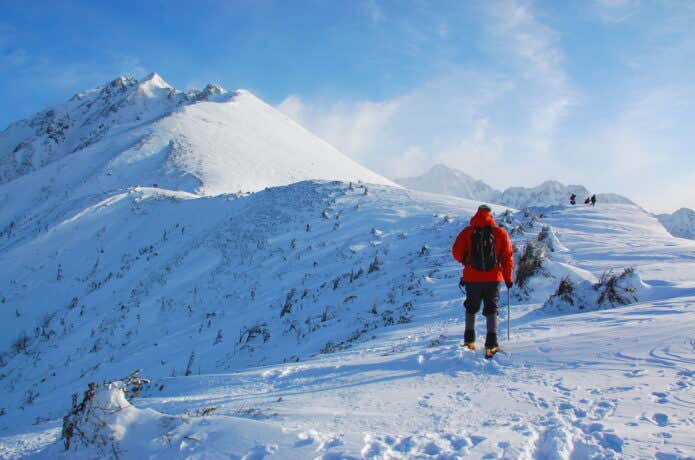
681,223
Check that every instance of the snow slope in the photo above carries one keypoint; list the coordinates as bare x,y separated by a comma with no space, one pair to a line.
681,223
230,303
145,133
129,130
449,181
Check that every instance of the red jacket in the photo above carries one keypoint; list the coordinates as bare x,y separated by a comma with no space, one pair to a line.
503,250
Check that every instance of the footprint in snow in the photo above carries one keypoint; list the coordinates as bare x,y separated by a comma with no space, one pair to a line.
604,409
259,452
660,397
635,373
660,419
431,445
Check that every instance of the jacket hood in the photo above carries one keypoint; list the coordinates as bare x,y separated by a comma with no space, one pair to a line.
483,218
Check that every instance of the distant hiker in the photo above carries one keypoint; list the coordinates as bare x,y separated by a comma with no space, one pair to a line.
573,199
486,252
593,200
588,200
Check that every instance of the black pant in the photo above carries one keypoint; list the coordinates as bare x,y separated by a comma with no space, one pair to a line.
486,292
489,294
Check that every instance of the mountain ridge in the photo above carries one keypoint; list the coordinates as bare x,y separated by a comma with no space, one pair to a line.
239,130
143,133
450,181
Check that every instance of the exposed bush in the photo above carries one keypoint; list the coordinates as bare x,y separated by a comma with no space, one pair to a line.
568,295
87,425
530,262
74,422
618,289
375,265
204,412
247,334
611,290
289,303
21,344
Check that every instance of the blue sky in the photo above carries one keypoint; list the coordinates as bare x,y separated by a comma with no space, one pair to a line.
512,92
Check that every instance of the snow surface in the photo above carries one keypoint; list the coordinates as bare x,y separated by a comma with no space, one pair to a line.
359,365
681,223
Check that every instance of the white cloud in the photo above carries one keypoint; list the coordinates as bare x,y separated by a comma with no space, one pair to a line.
614,11
479,121
355,126
374,11
441,121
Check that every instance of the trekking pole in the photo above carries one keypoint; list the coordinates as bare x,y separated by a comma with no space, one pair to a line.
508,310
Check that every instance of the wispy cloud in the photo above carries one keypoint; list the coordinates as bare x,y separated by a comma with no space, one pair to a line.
532,46
12,55
478,120
614,11
373,10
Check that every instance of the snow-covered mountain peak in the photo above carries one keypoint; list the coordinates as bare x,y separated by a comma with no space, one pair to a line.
448,181
122,82
213,88
131,133
153,85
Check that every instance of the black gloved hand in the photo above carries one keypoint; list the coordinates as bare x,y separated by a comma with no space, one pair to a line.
509,284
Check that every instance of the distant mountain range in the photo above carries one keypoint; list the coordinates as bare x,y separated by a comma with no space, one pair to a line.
681,223
448,181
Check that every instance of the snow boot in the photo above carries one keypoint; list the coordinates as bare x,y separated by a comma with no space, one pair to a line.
491,345
469,339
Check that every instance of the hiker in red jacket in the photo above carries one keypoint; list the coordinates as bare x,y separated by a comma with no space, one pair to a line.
486,252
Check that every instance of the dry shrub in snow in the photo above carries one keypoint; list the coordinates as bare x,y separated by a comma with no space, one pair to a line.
89,424
570,294
618,289
611,290
93,422
566,291
530,262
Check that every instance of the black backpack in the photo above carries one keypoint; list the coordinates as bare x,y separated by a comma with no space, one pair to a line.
483,256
